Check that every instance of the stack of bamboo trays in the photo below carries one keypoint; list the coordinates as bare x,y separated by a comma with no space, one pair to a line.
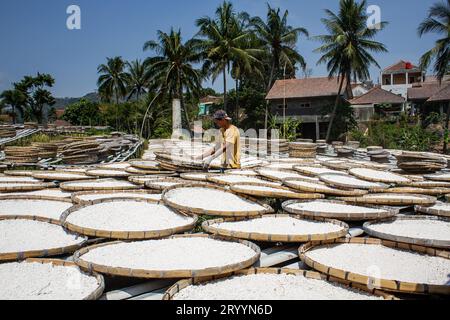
83,152
264,147
22,154
420,162
302,150
7,132
378,154
46,150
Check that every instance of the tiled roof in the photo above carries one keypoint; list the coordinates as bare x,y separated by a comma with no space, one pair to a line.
442,95
377,96
304,88
424,91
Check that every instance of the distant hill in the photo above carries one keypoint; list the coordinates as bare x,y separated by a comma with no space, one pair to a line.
62,103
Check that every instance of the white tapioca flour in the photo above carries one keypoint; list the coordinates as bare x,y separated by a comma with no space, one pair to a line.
17,179
28,235
280,175
62,176
271,287
98,184
211,199
330,207
128,216
40,208
379,176
413,228
246,187
280,226
344,180
56,193
231,179
382,262
315,171
101,196
191,253
36,281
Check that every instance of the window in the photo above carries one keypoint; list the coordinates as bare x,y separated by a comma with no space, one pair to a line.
280,107
305,105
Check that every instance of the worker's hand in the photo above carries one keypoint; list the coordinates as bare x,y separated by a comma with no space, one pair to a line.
207,162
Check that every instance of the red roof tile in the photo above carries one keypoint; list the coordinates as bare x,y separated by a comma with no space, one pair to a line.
304,88
402,66
377,96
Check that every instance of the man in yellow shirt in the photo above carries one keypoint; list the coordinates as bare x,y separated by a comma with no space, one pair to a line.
228,145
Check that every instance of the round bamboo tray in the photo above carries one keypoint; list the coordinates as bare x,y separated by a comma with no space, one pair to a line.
323,189
217,179
428,184
19,173
382,284
208,227
146,165
183,284
309,170
400,200
272,176
278,192
438,177
24,186
395,178
61,176
76,197
72,187
18,256
99,173
168,274
142,172
122,235
249,173
216,212
423,191
194,176
416,241
95,295
119,166
345,216
158,184
333,180
141,180
432,211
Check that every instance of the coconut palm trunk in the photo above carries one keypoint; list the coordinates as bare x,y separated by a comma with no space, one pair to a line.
447,120
336,104
176,115
225,97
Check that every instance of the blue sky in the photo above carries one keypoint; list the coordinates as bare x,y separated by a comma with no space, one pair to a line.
35,38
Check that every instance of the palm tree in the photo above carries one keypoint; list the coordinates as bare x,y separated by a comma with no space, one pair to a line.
172,72
225,40
112,82
137,79
346,49
15,99
279,40
113,79
438,21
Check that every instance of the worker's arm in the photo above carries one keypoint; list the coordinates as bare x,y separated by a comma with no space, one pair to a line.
226,147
